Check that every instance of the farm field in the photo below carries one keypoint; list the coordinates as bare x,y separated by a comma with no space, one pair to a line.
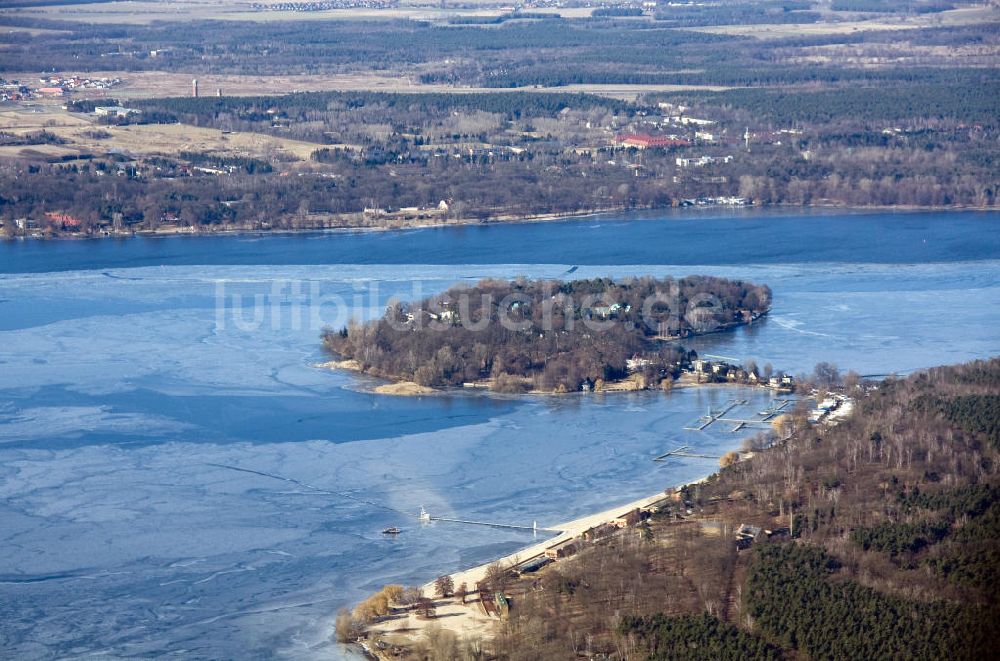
83,135
160,84
951,18
145,13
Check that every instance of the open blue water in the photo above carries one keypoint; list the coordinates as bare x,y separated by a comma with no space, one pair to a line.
683,237
133,372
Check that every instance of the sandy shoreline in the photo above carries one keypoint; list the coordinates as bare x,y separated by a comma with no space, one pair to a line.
565,531
411,389
468,619
395,388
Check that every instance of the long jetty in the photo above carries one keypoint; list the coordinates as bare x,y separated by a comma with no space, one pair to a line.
508,526
422,516
682,451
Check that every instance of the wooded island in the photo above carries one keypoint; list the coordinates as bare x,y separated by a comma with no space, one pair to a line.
548,336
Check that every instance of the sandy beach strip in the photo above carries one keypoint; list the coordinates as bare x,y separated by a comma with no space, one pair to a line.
468,619
567,531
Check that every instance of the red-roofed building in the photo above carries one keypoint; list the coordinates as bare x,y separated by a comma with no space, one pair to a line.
646,141
64,220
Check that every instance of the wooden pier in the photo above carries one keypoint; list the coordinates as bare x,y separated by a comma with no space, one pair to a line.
683,451
507,526
741,424
774,408
712,416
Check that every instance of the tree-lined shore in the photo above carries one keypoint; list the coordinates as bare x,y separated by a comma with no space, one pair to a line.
535,335
873,538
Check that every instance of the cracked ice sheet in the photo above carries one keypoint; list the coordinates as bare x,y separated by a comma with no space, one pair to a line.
154,549
100,335
143,548
106,334
72,421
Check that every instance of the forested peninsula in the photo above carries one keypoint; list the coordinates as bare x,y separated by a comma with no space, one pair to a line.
874,538
548,336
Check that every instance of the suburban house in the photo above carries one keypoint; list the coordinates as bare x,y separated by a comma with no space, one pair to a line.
702,161
63,221
599,532
563,549
636,363
630,518
533,565
115,111
609,310
746,535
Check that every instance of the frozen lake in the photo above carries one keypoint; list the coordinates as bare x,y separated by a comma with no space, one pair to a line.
129,393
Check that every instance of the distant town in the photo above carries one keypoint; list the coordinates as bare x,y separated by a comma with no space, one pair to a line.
53,87
484,112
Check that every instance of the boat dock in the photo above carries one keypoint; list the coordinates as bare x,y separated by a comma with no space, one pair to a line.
774,408
712,416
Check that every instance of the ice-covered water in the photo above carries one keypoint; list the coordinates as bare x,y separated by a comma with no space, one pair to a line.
128,397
